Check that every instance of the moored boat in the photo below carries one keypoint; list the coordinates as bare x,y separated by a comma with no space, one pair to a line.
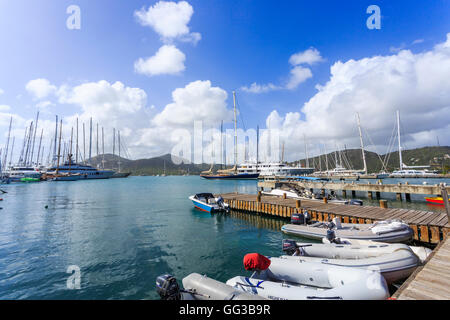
394,261
435,200
284,278
390,231
207,202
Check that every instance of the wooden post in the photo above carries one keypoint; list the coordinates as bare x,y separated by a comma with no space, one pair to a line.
325,200
378,194
383,204
258,197
353,193
344,193
297,204
408,197
445,198
284,195
369,195
399,196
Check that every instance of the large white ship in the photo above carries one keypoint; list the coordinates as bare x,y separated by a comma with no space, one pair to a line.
273,169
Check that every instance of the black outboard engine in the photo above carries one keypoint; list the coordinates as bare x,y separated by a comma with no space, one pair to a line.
356,202
331,235
298,218
167,287
289,246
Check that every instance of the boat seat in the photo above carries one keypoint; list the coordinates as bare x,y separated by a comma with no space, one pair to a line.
337,222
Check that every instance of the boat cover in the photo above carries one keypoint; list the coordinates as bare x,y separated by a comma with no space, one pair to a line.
381,227
256,261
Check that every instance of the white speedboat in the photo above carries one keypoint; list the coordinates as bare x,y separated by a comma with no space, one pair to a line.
390,231
293,194
289,279
207,202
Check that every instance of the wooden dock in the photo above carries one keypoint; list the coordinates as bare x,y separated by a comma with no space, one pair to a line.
431,281
372,189
429,227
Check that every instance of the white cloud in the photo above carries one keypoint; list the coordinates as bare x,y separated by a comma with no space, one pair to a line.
4,107
169,19
1,92
260,88
417,41
415,84
40,88
310,56
298,75
167,60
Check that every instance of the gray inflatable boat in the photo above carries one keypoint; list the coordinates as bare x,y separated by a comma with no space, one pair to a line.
390,231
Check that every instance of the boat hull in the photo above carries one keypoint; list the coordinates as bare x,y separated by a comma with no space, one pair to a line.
120,174
435,200
238,176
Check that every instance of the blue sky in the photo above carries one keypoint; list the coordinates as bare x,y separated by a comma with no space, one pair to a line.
242,42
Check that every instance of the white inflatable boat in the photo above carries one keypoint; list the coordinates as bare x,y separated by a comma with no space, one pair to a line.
390,231
293,279
394,261
421,252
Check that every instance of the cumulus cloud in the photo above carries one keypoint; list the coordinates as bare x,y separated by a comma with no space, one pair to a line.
40,88
167,60
297,75
310,56
1,91
260,88
170,20
414,84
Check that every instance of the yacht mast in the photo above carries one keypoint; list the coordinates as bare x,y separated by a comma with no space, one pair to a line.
306,152
118,137
59,147
12,151
326,157
23,146
39,149
235,132
399,144
103,151
90,139
84,145
34,138
7,144
362,144
30,134
257,147
56,137
76,147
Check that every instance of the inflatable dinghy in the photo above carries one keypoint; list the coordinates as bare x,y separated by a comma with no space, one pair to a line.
390,231
394,261
421,252
289,279
198,287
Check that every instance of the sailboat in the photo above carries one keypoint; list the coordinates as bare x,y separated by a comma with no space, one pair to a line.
407,171
232,173
119,173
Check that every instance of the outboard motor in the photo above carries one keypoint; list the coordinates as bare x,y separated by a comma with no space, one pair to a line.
298,218
307,217
289,246
331,235
167,287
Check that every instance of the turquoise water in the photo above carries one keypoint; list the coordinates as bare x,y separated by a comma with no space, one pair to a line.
122,234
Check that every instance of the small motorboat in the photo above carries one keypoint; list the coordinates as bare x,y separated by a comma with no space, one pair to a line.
436,200
207,202
394,261
199,287
284,278
421,252
390,231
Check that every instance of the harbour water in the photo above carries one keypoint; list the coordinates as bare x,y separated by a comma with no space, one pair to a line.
122,234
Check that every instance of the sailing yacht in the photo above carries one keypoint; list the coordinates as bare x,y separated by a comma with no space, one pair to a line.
407,171
232,173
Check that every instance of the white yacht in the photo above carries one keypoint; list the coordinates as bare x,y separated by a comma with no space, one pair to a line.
84,171
273,169
16,173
